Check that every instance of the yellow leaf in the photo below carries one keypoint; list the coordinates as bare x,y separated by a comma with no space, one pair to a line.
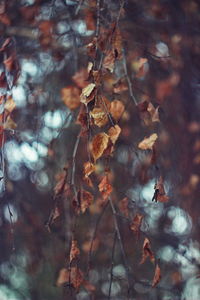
147,143
99,116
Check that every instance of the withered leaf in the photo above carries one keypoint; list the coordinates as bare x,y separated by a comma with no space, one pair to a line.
88,168
100,116
80,78
157,276
114,133
116,109
109,61
123,206
86,199
105,187
86,95
146,251
99,144
159,194
154,113
136,223
74,276
147,143
10,104
71,97
74,251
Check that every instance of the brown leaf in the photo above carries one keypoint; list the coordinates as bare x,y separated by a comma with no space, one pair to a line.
153,112
81,78
74,251
86,95
56,214
86,200
136,223
114,133
90,19
109,61
146,251
88,168
116,109
117,43
123,206
10,104
157,276
147,143
99,144
105,187
71,97
159,194
73,276
100,116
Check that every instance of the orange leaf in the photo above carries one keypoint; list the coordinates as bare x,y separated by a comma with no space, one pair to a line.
157,276
99,144
73,276
74,251
114,133
146,251
71,97
147,143
105,187
88,168
116,109
86,200
136,224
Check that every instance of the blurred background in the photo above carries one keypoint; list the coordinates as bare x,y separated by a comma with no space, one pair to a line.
43,50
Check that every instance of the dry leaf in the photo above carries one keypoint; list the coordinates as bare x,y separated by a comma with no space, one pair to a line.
109,61
86,200
99,144
74,251
86,95
105,187
146,251
136,223
116,109
74,276
80,78
117,43
123,206
71,97
88,168
157,276
159,194
153,112
10,104
114,133
56,213
9,124
147,143
99,116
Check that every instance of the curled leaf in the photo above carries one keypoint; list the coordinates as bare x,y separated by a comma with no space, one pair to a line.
147,143
100,116
74,251
146,251
105,187
88,168
86,200
136,223
99,144
157,276
86,95
114,133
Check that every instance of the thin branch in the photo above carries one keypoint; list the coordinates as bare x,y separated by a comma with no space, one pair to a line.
120,243
112,264
128,78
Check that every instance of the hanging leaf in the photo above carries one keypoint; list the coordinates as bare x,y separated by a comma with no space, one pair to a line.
74,251
109,61
114,133
116,109
99,144
74,276
105,187
147,143
146,251
87,95
157,276
136,223
159,194
86,200
100,116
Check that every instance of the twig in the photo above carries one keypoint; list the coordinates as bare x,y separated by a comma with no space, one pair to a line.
128,78
94,235
120,242
78,7
112,265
